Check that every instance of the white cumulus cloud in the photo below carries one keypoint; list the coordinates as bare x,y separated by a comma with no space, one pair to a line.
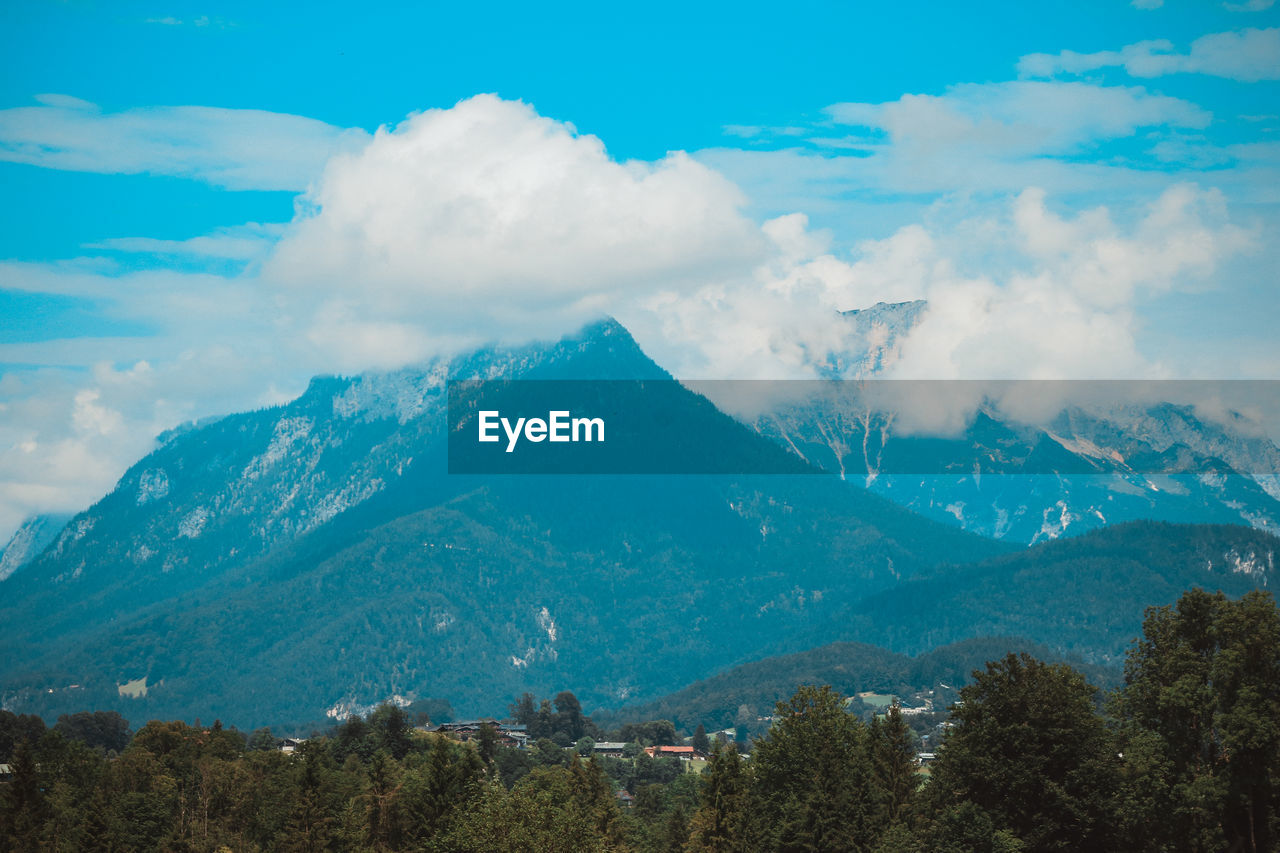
490,219
1014,291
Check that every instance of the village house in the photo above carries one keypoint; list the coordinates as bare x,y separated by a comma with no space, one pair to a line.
290,745
684,753
608,749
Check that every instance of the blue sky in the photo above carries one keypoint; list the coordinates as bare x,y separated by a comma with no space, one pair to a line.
646,79
201,211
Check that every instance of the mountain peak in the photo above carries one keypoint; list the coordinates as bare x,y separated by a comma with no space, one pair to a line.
29,540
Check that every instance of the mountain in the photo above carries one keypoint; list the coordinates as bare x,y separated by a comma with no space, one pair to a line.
1079,600
278,565
1084,595
1078,470
741,695
29,540
874,339
294,564
1028,483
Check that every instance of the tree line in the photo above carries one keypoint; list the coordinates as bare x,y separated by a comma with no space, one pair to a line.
1185,755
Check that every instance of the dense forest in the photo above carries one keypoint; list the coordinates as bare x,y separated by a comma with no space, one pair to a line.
1184,755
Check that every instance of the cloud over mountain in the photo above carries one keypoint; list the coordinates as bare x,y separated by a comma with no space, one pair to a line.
489,218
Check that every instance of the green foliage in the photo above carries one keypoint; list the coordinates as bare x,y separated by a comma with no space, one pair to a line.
315,819
538,816
701,742
812,778
965,827
569,716
24,804
16,728
105,730
652,733
1201,708
524,710
737,697
512,765
718,824
260,740
1188,762
426,712
1107,576
653,771
893,766
437,784
487,743
389,727
546,753
352,738
1030,753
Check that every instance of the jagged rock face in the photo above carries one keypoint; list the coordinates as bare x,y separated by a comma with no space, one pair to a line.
875,338
1029,484
28,541
1080,471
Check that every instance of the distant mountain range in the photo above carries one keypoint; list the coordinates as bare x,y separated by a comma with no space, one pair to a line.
1078,471
293,564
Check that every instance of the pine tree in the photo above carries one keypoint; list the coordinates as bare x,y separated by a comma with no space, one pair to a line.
717,824
23,809
701,742
314,820
593,795
812,778
524,711
893,766
382,815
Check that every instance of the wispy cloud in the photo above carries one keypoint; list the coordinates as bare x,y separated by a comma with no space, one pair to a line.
1018,118
1247,55
985,139
200,21
249,242
230,148
1249,6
